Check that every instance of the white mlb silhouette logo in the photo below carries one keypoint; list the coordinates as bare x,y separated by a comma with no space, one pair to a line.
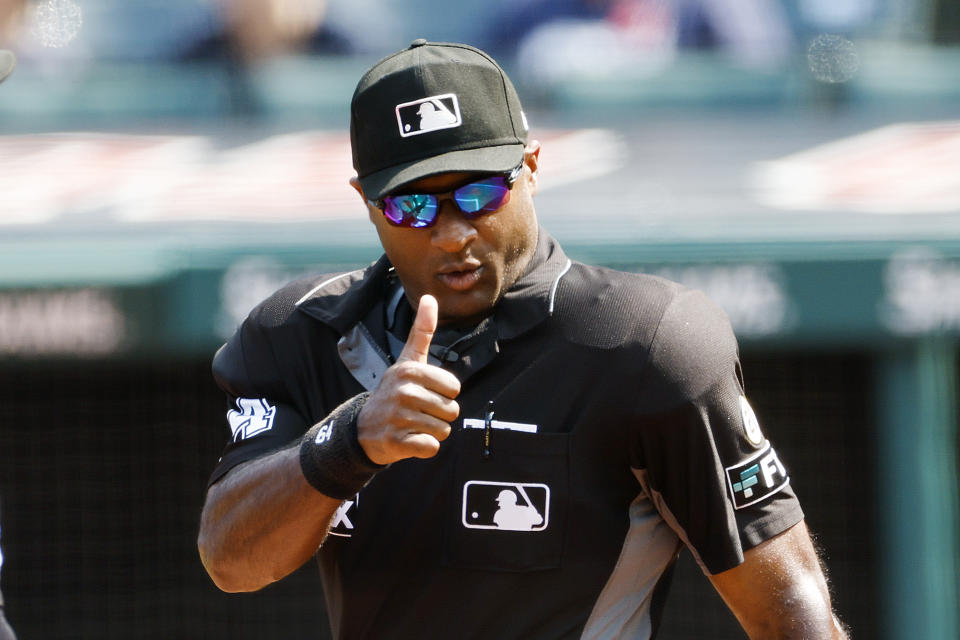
508,506
428,114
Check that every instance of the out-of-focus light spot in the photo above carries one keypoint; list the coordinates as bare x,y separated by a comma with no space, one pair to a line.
7,62
832,58
56,22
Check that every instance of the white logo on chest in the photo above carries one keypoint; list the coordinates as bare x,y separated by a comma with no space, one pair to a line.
508,506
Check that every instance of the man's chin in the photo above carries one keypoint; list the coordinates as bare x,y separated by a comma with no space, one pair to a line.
464,309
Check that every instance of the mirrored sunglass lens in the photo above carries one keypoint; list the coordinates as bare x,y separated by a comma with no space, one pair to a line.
415,210
482,196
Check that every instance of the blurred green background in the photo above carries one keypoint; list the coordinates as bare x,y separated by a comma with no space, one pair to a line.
166,165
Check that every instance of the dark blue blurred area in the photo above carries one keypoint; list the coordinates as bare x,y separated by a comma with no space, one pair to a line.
112,63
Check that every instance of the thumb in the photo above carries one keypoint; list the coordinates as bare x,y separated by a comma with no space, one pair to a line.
424,325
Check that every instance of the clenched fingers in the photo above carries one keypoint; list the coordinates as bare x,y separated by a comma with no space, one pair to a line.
432,378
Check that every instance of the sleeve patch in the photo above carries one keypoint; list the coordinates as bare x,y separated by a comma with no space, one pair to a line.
756,478
750,423
252,417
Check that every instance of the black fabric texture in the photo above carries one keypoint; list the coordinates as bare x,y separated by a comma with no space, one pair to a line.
332,460
620,376
6,632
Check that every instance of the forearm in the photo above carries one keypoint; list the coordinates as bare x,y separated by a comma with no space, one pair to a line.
780,590
802,629
267,517
261,522
806,615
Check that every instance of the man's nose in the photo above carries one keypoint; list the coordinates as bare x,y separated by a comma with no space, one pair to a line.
451,232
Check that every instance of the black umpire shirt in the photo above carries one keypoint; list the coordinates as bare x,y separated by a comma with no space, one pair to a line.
619,434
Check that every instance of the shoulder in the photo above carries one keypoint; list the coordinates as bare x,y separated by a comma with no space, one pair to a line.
606,308
694,346
678,336
274,331
281,306
282,309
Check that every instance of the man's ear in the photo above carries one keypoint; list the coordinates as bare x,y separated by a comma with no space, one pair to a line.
355,183
531,158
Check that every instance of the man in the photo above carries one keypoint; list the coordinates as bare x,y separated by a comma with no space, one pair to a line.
379,415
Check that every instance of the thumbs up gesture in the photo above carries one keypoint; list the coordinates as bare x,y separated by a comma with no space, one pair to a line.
409,413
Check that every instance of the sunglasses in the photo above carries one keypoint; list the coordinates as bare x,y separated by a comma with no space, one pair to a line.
474,199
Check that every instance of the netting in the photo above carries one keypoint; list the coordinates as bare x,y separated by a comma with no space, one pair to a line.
815,408
103,465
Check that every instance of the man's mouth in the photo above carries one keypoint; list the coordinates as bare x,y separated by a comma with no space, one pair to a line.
460,277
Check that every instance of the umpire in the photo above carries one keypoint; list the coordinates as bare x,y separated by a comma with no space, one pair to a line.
480,438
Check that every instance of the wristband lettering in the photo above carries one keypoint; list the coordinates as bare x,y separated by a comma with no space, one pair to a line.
331,458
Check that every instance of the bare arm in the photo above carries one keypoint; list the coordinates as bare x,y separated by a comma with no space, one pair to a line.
780,590
263,520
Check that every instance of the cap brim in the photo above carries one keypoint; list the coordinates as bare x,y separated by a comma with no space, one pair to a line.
7,62
485,160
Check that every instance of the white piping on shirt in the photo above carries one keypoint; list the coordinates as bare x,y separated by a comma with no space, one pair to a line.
556,283
323,284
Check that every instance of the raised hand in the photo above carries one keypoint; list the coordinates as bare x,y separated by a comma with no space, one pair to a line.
408,415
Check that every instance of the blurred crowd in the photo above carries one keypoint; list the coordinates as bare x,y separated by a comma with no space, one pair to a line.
537,32
166,30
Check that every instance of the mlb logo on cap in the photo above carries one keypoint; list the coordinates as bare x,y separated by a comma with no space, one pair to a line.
435,107
428,114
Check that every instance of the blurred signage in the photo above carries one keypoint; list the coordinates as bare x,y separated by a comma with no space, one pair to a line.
284,178
245,284
922,293
752,295
902,168
80,322
915,292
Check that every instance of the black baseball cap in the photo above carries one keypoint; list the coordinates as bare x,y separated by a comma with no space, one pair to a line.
7,62
434,107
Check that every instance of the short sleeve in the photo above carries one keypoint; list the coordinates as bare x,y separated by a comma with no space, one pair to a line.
699,451
260,415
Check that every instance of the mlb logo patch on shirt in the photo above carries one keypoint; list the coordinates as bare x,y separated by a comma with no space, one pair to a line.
508,506
428,114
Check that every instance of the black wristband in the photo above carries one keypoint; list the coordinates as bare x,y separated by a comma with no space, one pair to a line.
332,460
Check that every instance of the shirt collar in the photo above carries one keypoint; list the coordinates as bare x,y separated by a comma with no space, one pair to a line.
343,301
530,300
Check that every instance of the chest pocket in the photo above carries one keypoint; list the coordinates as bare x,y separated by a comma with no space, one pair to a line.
509,510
